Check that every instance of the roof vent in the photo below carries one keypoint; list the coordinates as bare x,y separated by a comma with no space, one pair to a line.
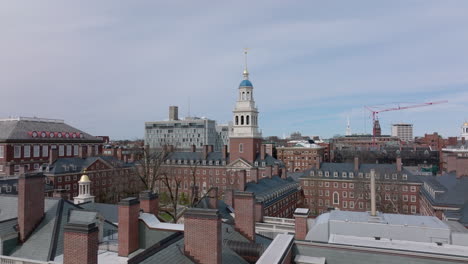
377,238
439,243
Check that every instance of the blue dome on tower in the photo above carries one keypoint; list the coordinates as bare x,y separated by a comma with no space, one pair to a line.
245,83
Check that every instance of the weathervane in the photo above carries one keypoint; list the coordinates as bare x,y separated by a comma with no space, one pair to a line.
246,72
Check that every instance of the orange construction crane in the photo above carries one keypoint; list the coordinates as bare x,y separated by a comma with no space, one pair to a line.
375,111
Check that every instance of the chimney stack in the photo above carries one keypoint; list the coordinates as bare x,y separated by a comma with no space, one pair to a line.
205,151
149,202
229,197
301,215
129,210
242,180
213,198
398,164
269,171
53,155
356,163
245,214
224,151
202,235
373,206
30,203
254,174
80,243
263,152
173,113
259,211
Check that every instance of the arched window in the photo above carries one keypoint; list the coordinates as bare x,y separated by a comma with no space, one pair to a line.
237,120
241,148
336,198
247,119
243,95
242,120
248,95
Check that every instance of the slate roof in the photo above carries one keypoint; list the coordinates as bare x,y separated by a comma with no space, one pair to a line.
108,211
46,241
18,130
454,191
380,170
76,164
173,253
7,227
222,207
268,190
218,156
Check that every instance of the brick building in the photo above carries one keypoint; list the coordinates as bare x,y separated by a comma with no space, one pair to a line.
247,163
362,142
345,186
27,142
301,156
111,179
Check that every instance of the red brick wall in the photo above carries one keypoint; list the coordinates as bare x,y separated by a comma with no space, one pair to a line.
299,159
251,146
202,238
128,226
30,203
245,214
300,226
80,248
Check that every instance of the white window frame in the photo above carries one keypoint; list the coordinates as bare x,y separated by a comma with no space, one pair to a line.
36,151
27,151
61,151
2,152
45,151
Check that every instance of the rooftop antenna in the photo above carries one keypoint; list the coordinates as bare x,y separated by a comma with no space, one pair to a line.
246,72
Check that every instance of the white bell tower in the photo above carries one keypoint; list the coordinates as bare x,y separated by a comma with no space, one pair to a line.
84,190
464,133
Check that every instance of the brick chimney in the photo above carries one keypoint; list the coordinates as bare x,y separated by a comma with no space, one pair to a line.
193,148
242,179
244,211
213,198
149,202
128,226
398,164
30,203
300,216
259,211
254,174
80,243
229,197
202,235
119,154
275,170
356,163
263,152
205,151
84,152
210,148
53,155
224,151
269,171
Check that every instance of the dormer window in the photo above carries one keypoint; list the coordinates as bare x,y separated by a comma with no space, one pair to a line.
404,177
256,163
263,164
217,162
327,174
204,162
210,163
320,173
312,173
335,174
351,174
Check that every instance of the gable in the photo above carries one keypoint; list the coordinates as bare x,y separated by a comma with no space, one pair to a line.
99,164
240,163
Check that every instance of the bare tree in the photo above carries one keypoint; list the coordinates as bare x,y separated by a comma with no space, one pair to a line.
149,166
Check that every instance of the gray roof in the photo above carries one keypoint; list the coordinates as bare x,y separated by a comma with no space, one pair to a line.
453,190
360,256
222,208
269,189
110,212
71,165
46,241
218,156
19,130
7,227
380,170
174,253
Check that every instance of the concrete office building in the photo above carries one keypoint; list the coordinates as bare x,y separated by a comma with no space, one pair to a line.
403,131
182,134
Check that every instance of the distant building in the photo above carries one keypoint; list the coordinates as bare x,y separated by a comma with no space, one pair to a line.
182,134
301,156
434,141
362,142
345,186
28,142
403,131
464,132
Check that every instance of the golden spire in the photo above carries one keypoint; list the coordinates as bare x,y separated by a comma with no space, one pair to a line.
246,72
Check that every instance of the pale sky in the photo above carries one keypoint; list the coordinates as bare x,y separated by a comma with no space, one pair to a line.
106,67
